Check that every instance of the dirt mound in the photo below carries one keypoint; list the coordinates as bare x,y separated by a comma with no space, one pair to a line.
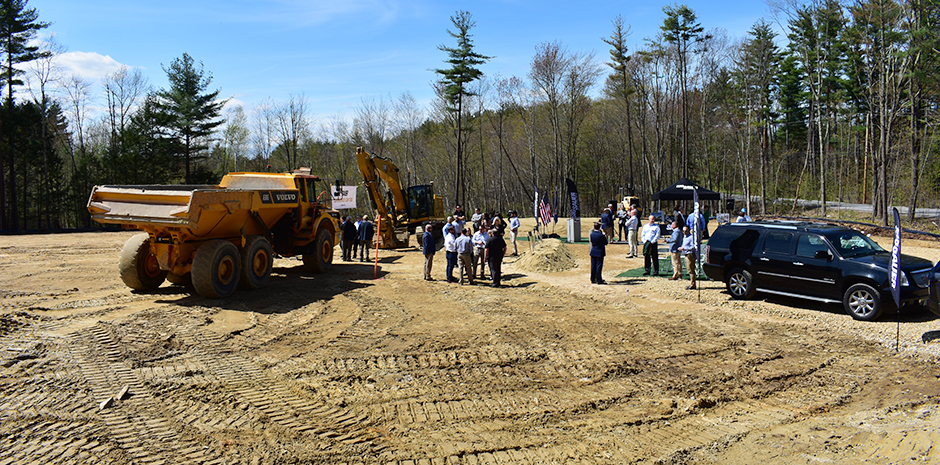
550,255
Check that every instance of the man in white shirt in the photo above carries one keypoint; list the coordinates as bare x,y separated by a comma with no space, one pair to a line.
479,243
464,247
633,224
650,248
513,231
450,251
688,249
476,217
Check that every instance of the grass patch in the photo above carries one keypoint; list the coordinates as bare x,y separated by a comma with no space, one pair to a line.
638,273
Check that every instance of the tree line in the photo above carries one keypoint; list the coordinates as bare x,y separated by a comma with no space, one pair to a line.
842,107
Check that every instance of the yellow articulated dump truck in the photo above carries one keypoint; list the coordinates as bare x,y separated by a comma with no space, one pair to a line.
219,237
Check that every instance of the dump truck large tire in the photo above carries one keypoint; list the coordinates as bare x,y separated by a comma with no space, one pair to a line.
321,256
257,261
138,267
216,269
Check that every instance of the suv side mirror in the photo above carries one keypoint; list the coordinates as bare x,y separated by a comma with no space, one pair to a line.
822,255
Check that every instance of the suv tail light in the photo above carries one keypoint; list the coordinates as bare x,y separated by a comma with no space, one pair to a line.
708,249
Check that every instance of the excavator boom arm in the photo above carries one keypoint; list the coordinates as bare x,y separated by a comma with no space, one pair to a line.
375,168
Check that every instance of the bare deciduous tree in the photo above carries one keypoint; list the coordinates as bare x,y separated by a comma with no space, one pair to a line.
235,137
265,121
373,122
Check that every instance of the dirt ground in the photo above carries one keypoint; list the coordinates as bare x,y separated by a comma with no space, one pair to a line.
372,364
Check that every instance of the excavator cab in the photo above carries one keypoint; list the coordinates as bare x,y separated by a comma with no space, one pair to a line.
420,201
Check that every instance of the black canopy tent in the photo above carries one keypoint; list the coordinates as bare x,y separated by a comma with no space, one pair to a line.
682,190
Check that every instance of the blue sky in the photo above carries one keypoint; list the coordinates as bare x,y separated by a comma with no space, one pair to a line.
336,53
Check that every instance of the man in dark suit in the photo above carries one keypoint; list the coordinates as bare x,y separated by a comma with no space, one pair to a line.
494,251
607,223
429,246
366,233
349,236
598,251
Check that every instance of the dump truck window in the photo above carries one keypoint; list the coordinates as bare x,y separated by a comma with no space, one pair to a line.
312,189
300,187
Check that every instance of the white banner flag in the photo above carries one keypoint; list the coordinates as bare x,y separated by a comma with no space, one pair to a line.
345,199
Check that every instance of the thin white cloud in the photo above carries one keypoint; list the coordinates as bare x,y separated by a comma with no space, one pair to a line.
87,65
231,103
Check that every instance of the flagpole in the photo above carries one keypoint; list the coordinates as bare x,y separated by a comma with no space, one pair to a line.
698,238
896,275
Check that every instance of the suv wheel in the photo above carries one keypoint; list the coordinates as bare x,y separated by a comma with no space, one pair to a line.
862,302
740,284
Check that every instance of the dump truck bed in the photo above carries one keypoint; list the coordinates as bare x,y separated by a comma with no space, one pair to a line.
193,210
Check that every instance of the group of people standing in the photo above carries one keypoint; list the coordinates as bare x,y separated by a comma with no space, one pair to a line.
468,248
473,247
682,243
356,237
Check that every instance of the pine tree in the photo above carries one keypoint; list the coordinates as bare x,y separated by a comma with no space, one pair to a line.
192,113
682,29
454,80
759,79
620,81
18,25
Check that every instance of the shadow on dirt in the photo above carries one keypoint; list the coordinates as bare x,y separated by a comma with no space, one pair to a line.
518,285
930,336
909,313
288,289
625,282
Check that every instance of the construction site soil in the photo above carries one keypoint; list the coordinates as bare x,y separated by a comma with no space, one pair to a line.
372,364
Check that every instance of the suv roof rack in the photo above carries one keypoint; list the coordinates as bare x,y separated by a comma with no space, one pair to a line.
786,224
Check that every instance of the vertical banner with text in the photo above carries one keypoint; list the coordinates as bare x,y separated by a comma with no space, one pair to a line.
575,202
896,260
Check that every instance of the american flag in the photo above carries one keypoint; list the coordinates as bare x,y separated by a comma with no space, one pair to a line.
696,231
545,212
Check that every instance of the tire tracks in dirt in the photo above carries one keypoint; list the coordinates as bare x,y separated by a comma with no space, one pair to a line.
402,371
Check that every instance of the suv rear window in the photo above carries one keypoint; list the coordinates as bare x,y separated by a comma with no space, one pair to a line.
778,242
809,244
738,240
725,235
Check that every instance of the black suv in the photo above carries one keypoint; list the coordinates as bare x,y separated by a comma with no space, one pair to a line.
817,261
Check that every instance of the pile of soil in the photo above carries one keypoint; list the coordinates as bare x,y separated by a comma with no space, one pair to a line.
549,255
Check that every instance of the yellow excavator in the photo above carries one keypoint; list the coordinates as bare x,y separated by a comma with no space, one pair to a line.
402,210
